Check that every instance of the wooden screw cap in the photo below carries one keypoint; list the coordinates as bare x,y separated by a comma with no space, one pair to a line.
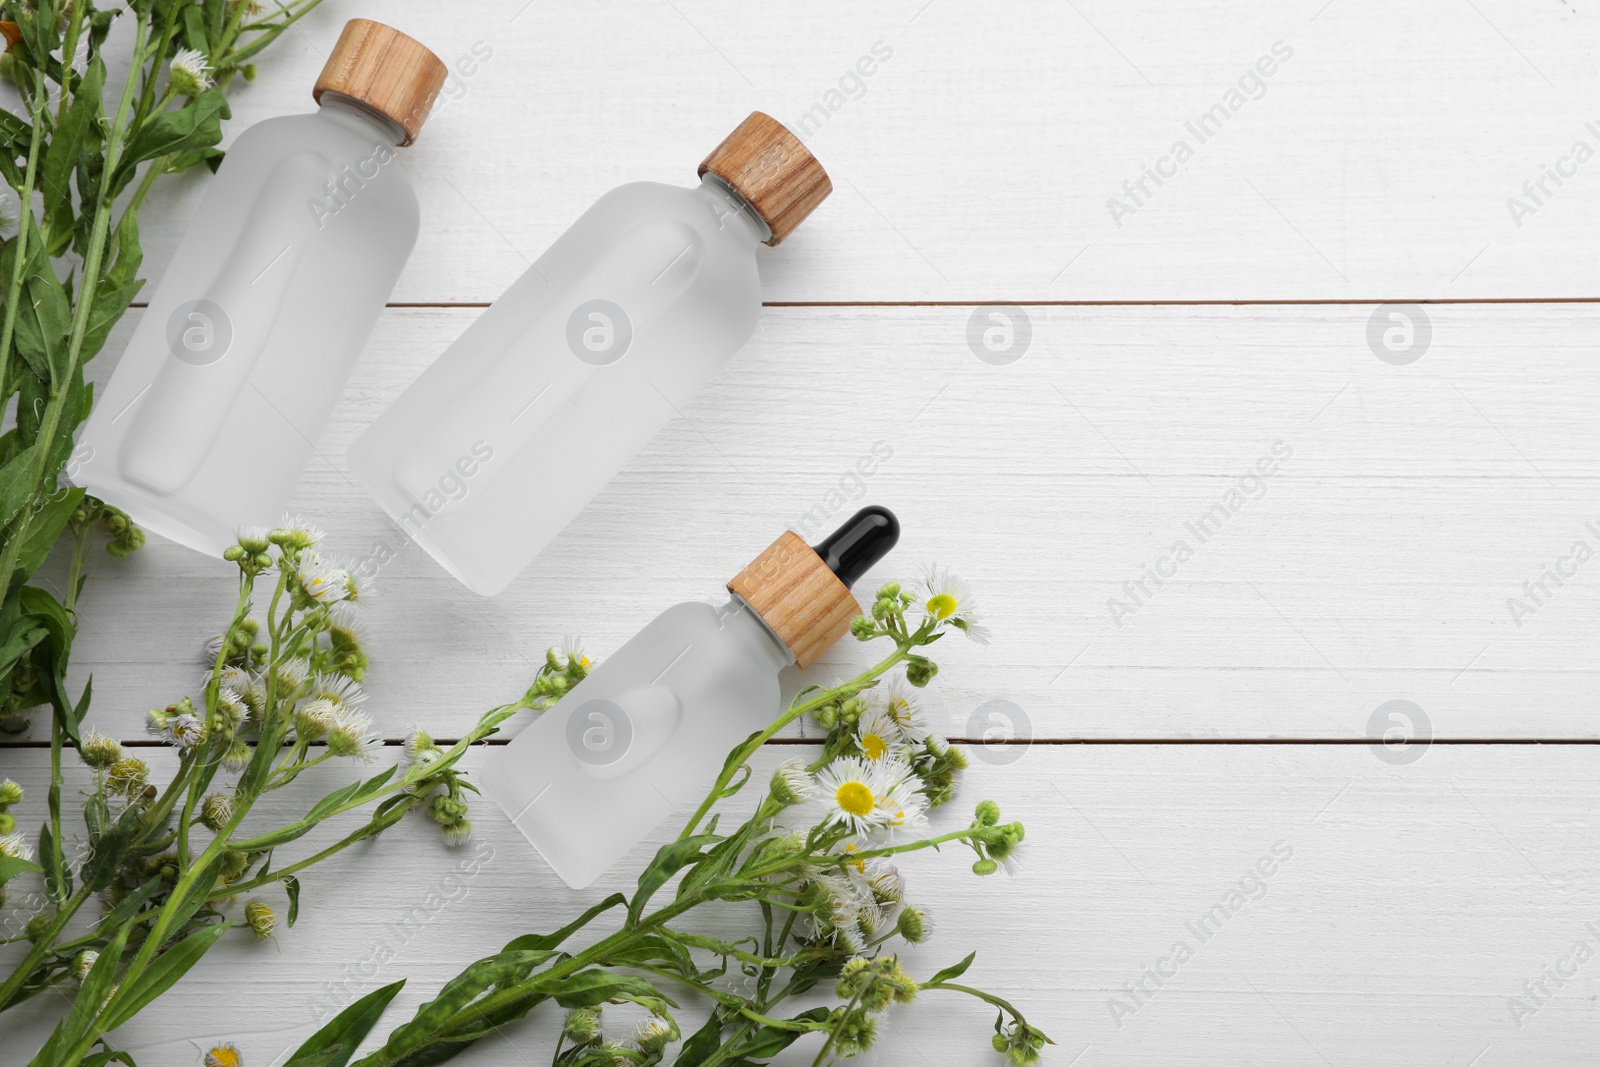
770,168
383,69
798,596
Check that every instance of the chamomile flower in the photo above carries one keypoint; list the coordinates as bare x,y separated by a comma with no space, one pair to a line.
185,730
223,1056
338,690
900,707
950,601
15,846
232,708
291,675
791,782
296,532
880,738
848,789
255,539
313,719
350,734
345,624
902,807
323,582
189,74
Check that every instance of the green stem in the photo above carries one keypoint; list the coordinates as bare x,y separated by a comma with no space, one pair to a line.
60,388
278,875
750,747
25,207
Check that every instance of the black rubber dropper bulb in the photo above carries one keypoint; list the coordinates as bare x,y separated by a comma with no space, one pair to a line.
864,539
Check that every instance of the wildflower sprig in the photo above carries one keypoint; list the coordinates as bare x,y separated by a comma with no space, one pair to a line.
172,862
815,861
103,117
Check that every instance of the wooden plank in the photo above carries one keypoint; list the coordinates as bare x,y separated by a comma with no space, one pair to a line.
1377,566
1416,903
981,157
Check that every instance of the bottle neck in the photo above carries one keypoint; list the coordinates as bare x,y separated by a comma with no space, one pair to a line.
363,118
741,619
732,209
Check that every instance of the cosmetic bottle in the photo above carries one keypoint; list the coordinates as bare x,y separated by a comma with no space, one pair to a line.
218,400
642,738
505,438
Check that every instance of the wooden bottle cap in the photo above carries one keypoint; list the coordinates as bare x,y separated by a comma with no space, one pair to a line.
770,168
383,69
798,596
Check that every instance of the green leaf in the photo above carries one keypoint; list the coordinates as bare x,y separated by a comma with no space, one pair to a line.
11,866
127,907
291,885
80,125
669,860
16,483
333,1045
108,847
530,942
194,29
96,984
198,124
119,284
49,519
955,970
57,878
588,988
702,1044
457,995
771,1040
162,973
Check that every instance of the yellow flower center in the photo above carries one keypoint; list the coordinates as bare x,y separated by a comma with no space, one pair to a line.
874,746
942,606
854,799
223,1056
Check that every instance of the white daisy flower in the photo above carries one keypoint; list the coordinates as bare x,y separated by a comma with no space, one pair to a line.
899,706
211,650
950,601
849,789
237,681
15,846
189,74
915,924
291,675
879,737
351,735
903,808
345,623
314,718
791,782
231,707
254,539
322,581
345,692
185,730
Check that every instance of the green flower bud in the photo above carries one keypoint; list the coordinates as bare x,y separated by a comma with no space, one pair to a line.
99,751
861,628
215,811
10,793
259,916
128,776
985,867
8,823
582,1026
988,813
234,864
888,591
38,926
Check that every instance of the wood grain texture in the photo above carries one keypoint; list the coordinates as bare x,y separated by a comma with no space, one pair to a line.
385,70
1416,902
977,160
1377,566
795,594
769,166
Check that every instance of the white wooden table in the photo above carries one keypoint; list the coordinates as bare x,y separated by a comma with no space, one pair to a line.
1177,333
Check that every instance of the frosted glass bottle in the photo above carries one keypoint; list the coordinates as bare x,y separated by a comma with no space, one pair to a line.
219,398
505,438
642,738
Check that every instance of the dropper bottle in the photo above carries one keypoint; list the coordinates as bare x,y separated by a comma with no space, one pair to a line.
644,735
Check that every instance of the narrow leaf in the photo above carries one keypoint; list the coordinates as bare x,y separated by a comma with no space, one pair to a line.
162,973
333,1045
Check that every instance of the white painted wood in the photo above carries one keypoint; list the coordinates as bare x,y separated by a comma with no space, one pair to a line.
1377,566
1417,902
979,162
